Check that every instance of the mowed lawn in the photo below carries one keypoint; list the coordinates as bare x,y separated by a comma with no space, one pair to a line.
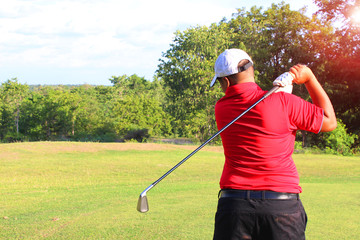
67,190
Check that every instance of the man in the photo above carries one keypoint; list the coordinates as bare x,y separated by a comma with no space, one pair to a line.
259,197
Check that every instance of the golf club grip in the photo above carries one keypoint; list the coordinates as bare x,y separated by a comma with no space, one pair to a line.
211,138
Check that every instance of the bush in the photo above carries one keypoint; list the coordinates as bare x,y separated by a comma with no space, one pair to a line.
13,137
338,141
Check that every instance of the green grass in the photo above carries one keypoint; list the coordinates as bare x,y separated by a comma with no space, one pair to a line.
90,191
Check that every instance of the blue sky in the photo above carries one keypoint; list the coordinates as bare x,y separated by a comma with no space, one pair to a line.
88,41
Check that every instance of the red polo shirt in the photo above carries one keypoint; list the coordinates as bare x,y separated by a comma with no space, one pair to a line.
258,147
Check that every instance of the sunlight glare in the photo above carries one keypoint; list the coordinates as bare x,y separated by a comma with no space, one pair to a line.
356,16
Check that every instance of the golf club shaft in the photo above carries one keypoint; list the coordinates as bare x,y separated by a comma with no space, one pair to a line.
209,140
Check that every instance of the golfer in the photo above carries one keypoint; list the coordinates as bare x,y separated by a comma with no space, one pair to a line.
259,196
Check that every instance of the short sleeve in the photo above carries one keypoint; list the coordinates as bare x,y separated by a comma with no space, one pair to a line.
304,115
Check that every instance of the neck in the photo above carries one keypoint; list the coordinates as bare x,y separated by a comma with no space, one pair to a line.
243,79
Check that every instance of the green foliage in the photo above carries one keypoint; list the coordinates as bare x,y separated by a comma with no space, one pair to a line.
186,71
131,108
339,141
139,112
130,85
278,38
12,95
341,70
275,38
49,113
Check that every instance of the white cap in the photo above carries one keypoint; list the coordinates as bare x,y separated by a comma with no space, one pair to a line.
227,63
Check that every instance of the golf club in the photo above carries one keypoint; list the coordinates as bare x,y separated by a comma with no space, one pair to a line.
143,205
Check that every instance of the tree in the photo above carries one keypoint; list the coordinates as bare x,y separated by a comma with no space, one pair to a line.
51,113
91,115
140,113
186,70
342,59
277,39
32,117
12,96
130,84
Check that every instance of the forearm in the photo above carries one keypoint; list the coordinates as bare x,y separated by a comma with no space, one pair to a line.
303,75
321,99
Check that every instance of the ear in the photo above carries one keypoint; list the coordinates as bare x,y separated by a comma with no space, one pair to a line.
224,83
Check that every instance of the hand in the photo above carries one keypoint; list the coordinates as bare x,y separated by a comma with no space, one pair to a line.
302,74
284,81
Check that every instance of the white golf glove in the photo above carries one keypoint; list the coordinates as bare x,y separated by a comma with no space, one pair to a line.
285,82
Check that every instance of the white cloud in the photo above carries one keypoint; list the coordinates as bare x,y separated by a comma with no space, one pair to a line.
83,30
97,34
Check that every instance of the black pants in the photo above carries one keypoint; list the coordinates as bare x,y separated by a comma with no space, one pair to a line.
258,219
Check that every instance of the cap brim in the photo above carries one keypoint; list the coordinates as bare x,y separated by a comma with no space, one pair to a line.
213,81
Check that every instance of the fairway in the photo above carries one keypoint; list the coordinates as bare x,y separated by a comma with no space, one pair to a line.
68,190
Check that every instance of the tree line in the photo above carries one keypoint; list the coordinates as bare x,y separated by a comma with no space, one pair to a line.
131,109
178,101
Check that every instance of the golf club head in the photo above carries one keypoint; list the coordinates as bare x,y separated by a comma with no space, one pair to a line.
143,205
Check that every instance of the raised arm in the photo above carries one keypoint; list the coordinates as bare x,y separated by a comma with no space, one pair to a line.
304,75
